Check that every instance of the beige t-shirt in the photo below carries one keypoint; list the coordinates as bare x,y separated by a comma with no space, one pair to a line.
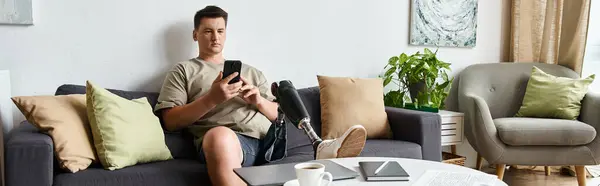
189,80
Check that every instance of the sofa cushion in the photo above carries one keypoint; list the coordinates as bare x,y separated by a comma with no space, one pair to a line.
392,148
125,132
80,89
353,101
171,172
542,131
373,148
64,118
181,145
310,99
549,96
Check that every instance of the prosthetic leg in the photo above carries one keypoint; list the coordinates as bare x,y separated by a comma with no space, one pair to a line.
350,144
292,108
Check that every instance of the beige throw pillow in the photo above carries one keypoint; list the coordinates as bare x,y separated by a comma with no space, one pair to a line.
64,118
349,101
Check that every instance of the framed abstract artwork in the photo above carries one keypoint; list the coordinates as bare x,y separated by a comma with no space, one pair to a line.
449,23
16,12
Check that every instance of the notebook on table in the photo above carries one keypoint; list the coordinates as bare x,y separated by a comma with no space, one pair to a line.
392,171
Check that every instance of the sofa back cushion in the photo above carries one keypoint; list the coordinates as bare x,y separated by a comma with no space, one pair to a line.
80,89
311,99
179,143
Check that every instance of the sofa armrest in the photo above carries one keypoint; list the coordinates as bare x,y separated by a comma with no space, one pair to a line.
423,128
480,129
29,157
590,108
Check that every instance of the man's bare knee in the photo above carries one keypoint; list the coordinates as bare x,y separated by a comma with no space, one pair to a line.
219,138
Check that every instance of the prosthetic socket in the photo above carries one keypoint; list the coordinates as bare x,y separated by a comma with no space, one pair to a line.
292,107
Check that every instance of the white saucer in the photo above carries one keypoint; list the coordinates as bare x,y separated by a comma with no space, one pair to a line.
294,182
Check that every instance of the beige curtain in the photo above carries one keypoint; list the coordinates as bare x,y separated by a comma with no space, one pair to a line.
549,31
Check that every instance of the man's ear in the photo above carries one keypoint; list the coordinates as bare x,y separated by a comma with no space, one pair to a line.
194,35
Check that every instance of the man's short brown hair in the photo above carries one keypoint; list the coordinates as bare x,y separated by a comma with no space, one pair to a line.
210,11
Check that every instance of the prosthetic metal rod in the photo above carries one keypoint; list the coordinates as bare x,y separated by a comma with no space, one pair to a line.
307,128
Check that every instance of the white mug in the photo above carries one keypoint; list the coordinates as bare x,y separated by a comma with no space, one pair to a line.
311,174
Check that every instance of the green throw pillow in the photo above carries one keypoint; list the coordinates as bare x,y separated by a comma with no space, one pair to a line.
549,96
125,132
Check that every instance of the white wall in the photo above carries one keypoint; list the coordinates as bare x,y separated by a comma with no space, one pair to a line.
591,63
130,44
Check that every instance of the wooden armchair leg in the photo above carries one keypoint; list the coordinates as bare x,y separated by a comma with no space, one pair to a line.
479,161
580,172
547,169
453,149
500,170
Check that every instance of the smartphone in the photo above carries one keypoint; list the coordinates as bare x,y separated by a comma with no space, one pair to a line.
230,67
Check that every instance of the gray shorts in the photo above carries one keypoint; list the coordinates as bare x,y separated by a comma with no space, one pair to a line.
250,150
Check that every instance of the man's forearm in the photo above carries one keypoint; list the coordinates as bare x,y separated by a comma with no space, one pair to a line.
268,108
182,116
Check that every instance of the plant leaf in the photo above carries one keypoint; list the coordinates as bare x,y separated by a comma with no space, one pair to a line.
387,81
445,76
390,71
426,67
428,52
393,60
387,100
445,65
443,85
403,58
418,68
394,99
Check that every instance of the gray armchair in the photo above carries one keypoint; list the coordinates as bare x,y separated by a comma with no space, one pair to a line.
491,94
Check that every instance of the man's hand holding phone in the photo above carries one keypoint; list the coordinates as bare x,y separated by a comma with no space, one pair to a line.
221,90
250,93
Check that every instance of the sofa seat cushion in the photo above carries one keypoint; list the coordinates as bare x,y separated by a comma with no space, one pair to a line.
170,172
541,131
373,148
181,145
392,148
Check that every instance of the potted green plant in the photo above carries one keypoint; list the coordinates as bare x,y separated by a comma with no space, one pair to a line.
421,78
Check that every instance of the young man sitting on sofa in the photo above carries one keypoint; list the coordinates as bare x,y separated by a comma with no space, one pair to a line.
230,121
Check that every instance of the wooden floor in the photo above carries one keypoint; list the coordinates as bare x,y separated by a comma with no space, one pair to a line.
528,177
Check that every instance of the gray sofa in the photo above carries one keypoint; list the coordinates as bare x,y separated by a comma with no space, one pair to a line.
30,160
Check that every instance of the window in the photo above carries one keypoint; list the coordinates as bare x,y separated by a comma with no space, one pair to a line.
591,61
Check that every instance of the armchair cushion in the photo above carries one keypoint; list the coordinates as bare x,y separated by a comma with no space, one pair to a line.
549,96
540,131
